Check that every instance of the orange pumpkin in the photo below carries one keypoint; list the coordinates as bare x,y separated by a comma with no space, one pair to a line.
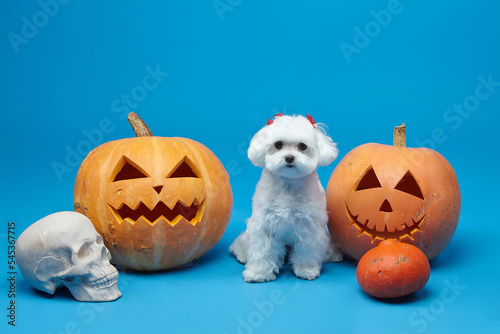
380,191
157,202
393,269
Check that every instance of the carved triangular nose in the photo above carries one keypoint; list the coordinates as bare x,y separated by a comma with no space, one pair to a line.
158,189
386,207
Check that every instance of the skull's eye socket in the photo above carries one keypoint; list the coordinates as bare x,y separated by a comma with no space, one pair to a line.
368,180
409,185
278,145
105,256
84,251
128,170
99,240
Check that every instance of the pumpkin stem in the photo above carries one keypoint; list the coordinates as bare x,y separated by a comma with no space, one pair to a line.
140,128
400,136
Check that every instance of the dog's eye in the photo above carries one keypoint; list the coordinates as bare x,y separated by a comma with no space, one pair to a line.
278,145
302,146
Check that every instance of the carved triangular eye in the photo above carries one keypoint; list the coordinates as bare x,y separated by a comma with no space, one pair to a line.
129,171
183,170
369,180
409,185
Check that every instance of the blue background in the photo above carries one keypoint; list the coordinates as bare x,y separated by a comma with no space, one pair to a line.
68,68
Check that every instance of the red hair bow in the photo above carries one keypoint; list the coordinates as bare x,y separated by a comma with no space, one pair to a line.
270,121
310,119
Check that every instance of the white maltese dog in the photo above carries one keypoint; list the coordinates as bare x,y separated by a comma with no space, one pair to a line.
289,204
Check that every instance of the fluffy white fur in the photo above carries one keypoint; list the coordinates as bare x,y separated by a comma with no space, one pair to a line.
289,204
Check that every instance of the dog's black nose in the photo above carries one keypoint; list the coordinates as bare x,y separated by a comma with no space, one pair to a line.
289,159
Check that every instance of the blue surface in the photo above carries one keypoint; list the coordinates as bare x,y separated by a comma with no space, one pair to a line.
222,69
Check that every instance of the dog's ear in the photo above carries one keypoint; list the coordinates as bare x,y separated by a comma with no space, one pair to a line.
257,149
326,149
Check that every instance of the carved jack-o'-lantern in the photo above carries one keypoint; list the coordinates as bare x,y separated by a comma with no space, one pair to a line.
158,202
380,192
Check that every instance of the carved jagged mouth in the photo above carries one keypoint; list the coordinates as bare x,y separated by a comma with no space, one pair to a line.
192,213
407,231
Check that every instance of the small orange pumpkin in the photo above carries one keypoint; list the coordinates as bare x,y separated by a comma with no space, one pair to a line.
393,269
157,202
378,192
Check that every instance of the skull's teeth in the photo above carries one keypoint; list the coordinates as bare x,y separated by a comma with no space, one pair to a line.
104,282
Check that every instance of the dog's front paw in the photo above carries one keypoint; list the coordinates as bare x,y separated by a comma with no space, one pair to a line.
308,273
255,277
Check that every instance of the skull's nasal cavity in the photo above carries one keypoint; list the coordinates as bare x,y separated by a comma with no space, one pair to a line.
158,189
386,207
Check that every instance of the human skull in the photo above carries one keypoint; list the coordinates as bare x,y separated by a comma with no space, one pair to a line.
65,249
